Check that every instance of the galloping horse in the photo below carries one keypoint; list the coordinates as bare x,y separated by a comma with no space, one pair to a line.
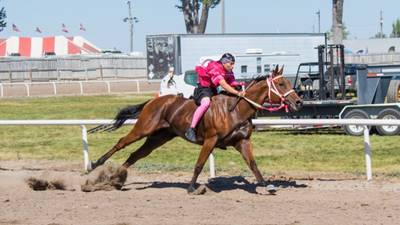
163,118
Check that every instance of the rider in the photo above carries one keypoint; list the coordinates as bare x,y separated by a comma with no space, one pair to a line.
211,75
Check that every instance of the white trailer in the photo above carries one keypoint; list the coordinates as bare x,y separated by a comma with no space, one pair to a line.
256,53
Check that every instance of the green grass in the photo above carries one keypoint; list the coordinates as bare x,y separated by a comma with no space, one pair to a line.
286,152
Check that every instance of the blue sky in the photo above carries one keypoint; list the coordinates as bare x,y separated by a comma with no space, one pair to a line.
105,28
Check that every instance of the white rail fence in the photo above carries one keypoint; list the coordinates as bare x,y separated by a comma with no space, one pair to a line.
61,88
358,122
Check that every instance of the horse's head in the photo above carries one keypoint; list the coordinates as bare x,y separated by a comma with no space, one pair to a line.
280,91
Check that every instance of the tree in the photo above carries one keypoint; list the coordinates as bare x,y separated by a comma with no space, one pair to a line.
379,35
395,29
190,9
344,31
337,21
2,19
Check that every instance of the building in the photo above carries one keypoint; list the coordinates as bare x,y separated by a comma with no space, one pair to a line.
372,46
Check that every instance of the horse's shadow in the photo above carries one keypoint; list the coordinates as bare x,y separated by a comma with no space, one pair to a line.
218,184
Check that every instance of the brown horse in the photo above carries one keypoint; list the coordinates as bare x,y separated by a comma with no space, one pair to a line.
163,118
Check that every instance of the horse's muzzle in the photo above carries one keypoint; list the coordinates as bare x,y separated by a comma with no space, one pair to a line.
296,106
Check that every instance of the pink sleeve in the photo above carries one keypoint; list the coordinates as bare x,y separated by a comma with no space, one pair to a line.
230,79
200,71
216,76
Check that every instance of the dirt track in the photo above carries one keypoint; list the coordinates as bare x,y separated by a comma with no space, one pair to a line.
161,198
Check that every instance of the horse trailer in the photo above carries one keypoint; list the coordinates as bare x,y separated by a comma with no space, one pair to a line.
256,53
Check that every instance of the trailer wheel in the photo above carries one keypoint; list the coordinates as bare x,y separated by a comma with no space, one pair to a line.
355,130
393,94
389,114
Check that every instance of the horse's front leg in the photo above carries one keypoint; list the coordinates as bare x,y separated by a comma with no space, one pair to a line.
245,147
205,152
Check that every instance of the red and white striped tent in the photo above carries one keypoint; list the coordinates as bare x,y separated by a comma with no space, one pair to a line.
39,46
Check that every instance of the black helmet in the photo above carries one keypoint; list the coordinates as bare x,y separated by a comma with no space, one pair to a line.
227,57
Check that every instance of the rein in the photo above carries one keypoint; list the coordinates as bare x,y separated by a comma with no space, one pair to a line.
238,99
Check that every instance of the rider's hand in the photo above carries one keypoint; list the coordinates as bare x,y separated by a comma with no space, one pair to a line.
241,93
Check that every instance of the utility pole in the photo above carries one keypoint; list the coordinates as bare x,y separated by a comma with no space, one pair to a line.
223,16
381,23
319,21
130,20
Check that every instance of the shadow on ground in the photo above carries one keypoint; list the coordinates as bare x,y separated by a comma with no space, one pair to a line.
218,184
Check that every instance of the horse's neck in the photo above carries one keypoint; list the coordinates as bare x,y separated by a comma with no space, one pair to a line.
256,93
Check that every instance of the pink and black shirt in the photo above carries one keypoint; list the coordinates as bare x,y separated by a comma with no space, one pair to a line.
212,72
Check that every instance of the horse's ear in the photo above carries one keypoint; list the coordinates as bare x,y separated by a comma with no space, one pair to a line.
275,71
281,70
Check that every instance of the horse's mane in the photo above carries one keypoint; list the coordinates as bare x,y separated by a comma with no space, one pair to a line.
260,78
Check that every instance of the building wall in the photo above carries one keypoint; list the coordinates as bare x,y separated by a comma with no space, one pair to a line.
372,46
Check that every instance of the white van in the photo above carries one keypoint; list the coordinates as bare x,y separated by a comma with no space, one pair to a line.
175,84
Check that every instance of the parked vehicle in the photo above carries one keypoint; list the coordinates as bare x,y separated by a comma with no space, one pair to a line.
331,89
179,84
183,51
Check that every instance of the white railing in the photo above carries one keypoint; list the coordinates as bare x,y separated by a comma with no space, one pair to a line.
360,122
138,86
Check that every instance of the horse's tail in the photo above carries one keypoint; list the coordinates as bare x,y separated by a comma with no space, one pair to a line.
129,112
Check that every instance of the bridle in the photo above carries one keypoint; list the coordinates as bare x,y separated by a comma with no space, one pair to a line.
272,89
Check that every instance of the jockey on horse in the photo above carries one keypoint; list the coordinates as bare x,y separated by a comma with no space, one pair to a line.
226,123
212,74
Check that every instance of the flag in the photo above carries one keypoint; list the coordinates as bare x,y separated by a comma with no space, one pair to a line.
64,28
15,28
38,30
82,28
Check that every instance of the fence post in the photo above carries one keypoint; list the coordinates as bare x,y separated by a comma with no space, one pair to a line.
137,86
27,90
58,69
1,90
86,73
10,75
58,74
81,87
116,72
101,71
87,164
212,165
108,87
30,75
368,157
54,88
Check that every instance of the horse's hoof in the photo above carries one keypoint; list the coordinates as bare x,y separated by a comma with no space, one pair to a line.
201,190
91,167
266,189
191,190
271,189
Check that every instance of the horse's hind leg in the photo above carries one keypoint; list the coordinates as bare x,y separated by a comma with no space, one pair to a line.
152,142
139,131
